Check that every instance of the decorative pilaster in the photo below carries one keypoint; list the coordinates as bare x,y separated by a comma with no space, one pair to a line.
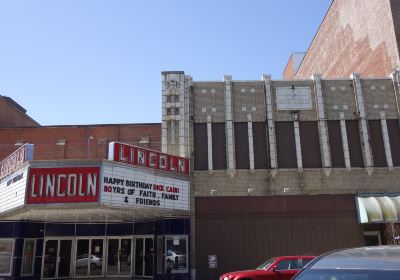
297,142
251,143
229,124
363,123
322,125
209,143
175,113
395,76
271,124
386,142
345,142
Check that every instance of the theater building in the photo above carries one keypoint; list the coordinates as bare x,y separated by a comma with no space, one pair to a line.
124,216
284,167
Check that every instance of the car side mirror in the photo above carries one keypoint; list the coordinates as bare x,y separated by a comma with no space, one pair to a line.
275,268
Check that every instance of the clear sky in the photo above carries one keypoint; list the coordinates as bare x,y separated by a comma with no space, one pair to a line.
100,62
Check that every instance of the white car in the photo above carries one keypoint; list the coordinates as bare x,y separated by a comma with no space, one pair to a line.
175,258
82,261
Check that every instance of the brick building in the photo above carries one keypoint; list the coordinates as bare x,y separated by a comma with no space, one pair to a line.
354,37
277,167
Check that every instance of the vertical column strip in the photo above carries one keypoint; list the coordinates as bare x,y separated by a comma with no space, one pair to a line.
323,131
209,143
298,145
229,123
386,142
164,124
363,122
270,121
251,143
345,142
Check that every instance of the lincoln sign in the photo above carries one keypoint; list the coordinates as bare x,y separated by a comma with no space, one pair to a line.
63,185
147,158
16,159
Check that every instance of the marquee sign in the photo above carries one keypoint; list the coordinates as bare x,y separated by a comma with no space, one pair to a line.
16,159
63,185
123,186
147,158
12,190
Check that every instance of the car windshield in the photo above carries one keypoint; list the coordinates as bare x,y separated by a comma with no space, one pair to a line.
348,274
265,264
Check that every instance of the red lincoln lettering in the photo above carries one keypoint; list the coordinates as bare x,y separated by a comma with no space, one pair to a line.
63,185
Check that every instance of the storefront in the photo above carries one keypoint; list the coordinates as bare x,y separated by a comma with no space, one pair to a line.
122,217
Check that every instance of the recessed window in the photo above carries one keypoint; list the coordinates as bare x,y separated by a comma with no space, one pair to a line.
6,256
28,257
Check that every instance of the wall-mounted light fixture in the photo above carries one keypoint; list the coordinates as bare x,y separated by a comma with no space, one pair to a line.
251,191
295,116
213,192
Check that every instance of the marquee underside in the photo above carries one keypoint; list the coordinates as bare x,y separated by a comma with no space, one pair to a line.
90,213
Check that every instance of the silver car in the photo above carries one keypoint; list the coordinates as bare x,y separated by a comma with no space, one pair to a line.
365,263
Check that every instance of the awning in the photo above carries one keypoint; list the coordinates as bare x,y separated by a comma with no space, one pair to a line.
378,209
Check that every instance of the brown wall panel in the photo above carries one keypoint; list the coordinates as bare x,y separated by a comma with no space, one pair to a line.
245,231
377,146
285,145
353,139
394,138
261,155
219,146
242,146
335,144
310,147
200,146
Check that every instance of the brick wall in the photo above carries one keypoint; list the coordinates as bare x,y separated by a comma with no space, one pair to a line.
355,36
86,141
10,116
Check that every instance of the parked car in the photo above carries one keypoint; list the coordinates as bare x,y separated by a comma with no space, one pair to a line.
282,268
82,261
175,259
365,263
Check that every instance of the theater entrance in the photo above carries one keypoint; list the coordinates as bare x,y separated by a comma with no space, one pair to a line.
57,258
119,256
144,256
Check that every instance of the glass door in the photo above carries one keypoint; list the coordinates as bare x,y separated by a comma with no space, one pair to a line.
57,259
144,254
89,257
119,256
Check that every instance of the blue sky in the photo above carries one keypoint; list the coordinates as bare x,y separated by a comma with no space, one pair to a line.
100,62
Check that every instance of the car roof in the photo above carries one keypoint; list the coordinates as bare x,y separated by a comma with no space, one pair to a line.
294,257
377,257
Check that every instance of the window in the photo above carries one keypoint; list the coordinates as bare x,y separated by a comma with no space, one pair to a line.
284,265
176,254
6,256
28,257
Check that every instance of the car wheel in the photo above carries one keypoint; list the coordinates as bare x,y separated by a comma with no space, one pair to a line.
93,266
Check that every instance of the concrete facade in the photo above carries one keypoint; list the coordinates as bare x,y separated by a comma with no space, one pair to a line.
355,100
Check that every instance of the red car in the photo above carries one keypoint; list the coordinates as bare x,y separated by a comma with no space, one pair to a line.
279,268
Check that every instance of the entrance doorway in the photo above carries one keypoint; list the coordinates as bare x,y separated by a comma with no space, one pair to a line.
57,258
144,256
119,259
372,238
89,257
